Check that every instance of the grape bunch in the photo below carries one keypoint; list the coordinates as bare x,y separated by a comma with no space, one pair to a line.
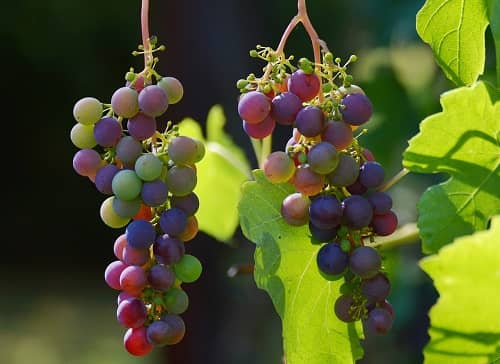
336,179
148,177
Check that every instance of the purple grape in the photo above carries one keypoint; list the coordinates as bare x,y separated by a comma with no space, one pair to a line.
184,150
107,132
141,126
325,212
124,102
376,288
181,180
136,342
342,308
153,100
161,277
169,249
323,158
385,305
189,203
346,172
357,212
260,130
284,108
371,174
128,150
381,202
126,208
133,280
379,321
104,177
357,188
365,262
131,313
310,121
384,224
86,162
123,296
295,209
254,107
356,109
112,274
331,259
173,221
168,331
337,133
140,234
322,235
305,86
154,193
132,256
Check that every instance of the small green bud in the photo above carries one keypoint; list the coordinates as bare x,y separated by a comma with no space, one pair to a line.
130,76
302,157
329,57
241,84
345,245
338,60
353,58
254,53
251,77
346,288
327,87
153,40
348,80
267,88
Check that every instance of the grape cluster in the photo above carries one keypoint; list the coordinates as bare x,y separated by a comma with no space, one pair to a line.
148,177
336,179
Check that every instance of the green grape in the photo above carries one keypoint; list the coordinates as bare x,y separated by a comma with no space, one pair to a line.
176,301
148,167
188,269
126,185
110,217
82,136
87,111
173,89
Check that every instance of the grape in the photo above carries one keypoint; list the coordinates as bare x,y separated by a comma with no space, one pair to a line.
254,107
173,221
365,261
385,305
82,136
323,158
112,274
190,231
181,180
128,149
357,212
141,126
126,185
126,209
86,162
305,86
385,224
154,193
148,167
278,167
144,213
118,246
331,259
104,177
125,102
379,321
295,209
346,172
322,235
176,301
284,108
136,342
87,111
124,296
140,234
371,174
381,202
357,188
185,150
137,84
169,249
352,89
133,279
189,203
160,277
260,130
173,88
368,155
307,181
110,217
131,313
188,269
325,212
342,308
132,256
376,288
310,121
153,100
337,133
168,331
356,109
107,132
158,332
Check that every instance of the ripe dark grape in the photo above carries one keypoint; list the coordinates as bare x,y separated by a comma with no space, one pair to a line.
381,202
356,109
136,342
107,132
385,305
284,108
379,321
181,180
376,288
305,86
140,234
342,308
295,209
357,212
128,150
345,173
161,277
104,178
153,100
189,203
365,262
141,126
322,235
337,133
371,174
254,107
331,259
173,221
175,329
260,130
325,212
154,193
131,313
323,158
170,250
357,188
310,121
385,224
132,256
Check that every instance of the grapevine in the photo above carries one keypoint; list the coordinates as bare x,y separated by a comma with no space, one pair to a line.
148,177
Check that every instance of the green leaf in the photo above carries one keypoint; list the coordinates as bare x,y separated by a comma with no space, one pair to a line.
285,266
494,18
465,322
462,141
220,175
455,31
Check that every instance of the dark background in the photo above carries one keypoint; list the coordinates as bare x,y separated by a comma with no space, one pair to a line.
55,306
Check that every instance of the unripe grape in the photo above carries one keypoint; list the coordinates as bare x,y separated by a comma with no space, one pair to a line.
173,88
295,209
125,102
278,167
87,111
82,136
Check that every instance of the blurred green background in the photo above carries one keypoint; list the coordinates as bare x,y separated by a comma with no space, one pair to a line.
55,306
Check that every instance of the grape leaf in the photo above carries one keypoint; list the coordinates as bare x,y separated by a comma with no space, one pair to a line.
455,29
494,17
285,266
462,141
220,175
465,322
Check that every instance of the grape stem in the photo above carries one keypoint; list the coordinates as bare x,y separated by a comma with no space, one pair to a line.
398,177
145,33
